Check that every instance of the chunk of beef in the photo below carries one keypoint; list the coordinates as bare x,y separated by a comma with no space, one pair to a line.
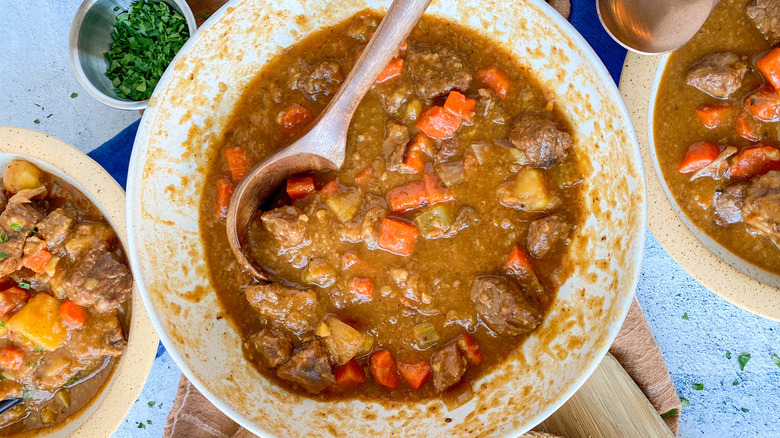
448,151
394,145
489,107
55,227
766,15
545,233
273,347
87,235
3,198
503,307
369,229
19,217
287,224
97,279
12,245
448,365
717,74
325,79
309,368
101,335
761,209
543,143
296,310
728,203
438,70
465,217
451,173
394,94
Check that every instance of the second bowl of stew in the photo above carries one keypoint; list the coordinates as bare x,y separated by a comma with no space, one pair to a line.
468,265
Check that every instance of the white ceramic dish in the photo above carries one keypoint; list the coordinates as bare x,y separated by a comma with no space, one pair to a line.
168,167
732,278
101,416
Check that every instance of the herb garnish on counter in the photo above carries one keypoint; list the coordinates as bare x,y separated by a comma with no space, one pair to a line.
146,38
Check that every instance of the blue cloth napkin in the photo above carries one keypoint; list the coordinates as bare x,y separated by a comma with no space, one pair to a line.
114,155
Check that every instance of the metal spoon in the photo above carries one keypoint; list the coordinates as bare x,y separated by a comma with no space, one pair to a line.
653,26
8,403
323,146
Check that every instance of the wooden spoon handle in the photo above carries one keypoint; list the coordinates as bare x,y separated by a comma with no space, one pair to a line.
332,127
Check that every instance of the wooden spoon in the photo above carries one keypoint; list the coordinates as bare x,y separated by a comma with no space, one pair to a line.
323,146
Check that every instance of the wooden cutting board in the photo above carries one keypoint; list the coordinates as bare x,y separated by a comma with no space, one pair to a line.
609,404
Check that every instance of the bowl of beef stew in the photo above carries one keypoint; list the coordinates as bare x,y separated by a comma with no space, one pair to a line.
713,142
474,256
75,347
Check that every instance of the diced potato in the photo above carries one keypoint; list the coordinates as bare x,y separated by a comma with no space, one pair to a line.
51,266
48,415
63,397
320,273
528,191
322,330
519,156
413,109
434,222
20,175
39,321
344,341
367,346
345,205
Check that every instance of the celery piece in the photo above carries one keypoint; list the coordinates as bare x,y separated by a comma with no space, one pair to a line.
434,222
345,205
426,335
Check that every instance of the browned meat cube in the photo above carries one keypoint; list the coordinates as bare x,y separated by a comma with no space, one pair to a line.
101,335
466,217
543,143
323,79
448,365
294,309
394,94
489,107
20,218
761,210
287,224
717,74
437,71
309,368
728,203
545,233
273,347
449,150
394,144
86,236
11,251
451,174
766,15
97,279
503,307
55,227
369,229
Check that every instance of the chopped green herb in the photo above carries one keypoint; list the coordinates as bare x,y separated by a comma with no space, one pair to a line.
151,404
70,382
735,382
14,226
205,16
775,359
2,324
74,94
3,255
743,360
148,421
3,236
728,354
116,9
670,413
141,426
26,393
24,285
684,402
37,348
697,386
49,115
745,410
37,122
685,316
146,37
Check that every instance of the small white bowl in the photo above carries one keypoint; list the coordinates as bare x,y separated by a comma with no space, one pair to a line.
90,38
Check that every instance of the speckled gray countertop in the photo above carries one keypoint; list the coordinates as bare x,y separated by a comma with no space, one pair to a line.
37,84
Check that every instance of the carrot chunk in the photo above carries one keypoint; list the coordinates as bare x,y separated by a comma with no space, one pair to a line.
21,340
37,261
11,358
714,116
393,69
73,314
414,162
461,106
470,348
769,66
397,236
362,288
424,144
495,79
754,161
364,174
300,186
434,191
294,118
764,104
408,196
331,188
436,122
748,127
415,373
350,374
382,367
225,190
699,155
12,298
518,262
237,164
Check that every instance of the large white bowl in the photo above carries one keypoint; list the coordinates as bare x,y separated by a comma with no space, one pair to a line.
101,416
166,179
